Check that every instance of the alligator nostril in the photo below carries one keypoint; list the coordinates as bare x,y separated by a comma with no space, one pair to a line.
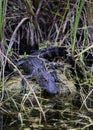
55,91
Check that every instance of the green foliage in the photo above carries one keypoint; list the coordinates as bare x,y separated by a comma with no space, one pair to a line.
78,15
29,105
3,6
30,5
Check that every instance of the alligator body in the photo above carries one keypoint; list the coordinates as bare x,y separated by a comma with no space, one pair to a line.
34,66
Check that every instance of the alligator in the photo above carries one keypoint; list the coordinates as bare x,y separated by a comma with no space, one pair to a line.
34,67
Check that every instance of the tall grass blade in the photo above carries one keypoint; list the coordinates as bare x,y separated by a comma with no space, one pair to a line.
78,15
3,7
30,5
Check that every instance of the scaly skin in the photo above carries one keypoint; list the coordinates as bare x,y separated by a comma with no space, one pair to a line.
35,68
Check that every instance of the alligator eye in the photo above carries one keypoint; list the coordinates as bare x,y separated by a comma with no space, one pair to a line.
45,80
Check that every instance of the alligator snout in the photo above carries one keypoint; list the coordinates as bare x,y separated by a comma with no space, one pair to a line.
52,88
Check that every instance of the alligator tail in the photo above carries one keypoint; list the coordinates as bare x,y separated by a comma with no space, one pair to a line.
53,52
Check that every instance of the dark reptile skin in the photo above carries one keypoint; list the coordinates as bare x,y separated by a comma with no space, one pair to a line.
34,66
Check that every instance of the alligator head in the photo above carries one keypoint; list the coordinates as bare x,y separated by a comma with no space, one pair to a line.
46,80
